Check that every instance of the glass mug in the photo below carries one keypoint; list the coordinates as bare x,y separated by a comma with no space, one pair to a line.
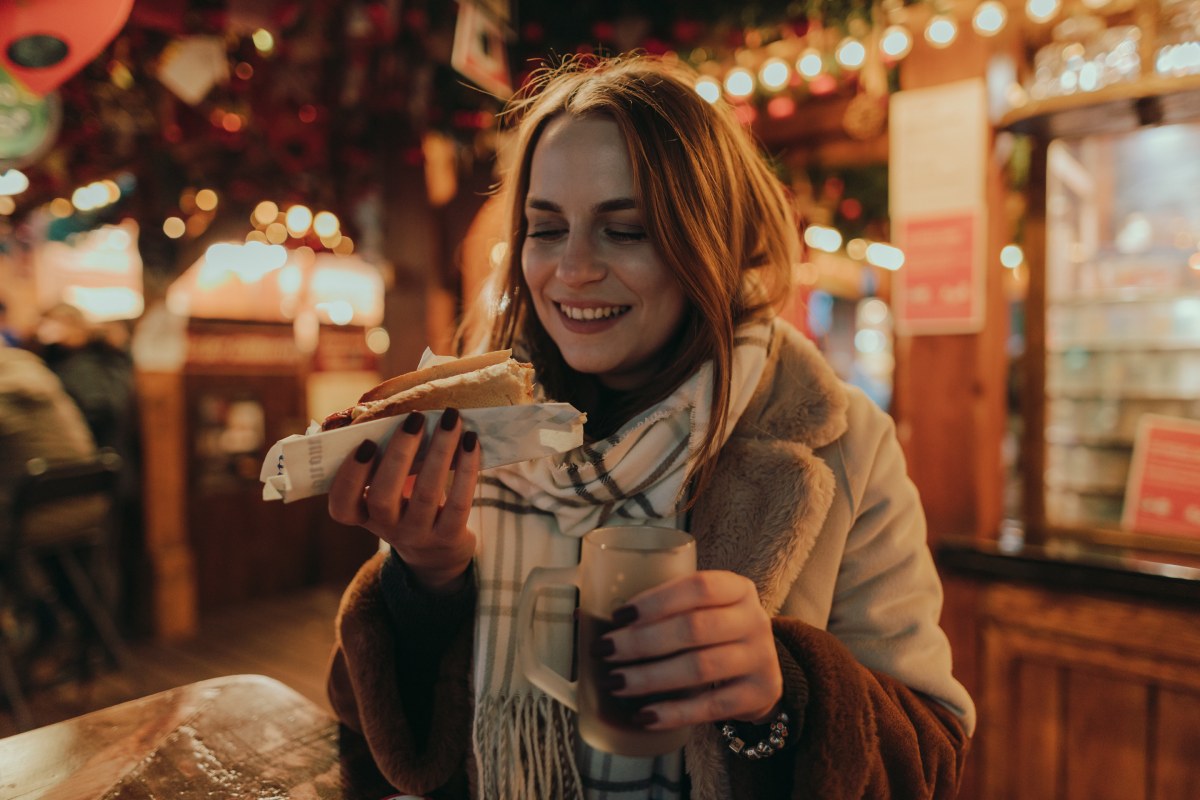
614,565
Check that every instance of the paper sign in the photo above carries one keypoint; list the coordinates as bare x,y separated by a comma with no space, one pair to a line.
1162,495
937,170
303,465
940,287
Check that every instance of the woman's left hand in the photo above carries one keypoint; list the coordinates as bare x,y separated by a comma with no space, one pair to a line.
707,633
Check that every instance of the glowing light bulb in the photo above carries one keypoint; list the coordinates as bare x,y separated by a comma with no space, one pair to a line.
896,43
174,227
739,82
326,224
1011,256
264,42
989,18
774,73
298,219
885,256
941,31
13,181
1042,10
810,64
709,89
850,53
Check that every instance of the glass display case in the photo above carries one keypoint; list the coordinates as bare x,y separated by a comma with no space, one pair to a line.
1112,308
1122,308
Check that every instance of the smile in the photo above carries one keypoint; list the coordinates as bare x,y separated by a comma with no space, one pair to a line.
590,313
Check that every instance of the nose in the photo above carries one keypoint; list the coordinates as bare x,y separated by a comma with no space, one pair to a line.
580,263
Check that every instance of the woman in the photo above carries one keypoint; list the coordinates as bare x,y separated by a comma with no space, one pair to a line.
649,245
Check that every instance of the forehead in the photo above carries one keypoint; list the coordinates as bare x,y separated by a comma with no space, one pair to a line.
581,156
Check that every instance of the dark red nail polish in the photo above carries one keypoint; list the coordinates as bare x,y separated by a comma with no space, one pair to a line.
366,451
604,648
644,717
612,682
625,615
470,439
414,422
449,419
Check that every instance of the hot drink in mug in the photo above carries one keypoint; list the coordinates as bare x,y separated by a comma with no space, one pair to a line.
615,564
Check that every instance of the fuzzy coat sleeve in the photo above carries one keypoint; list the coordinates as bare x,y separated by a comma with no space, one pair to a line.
400,676
855,733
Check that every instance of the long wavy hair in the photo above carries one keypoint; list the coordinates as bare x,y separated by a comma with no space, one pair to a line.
720,220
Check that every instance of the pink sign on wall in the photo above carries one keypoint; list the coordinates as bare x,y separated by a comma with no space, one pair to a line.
1163,491
940,287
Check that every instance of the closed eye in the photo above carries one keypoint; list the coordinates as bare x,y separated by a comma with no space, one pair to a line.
626,235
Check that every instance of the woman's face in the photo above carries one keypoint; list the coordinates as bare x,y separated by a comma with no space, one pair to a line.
598,286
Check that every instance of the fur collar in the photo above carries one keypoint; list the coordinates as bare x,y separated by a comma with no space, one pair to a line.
765,507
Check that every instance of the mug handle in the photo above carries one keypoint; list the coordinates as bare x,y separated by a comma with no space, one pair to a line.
536,672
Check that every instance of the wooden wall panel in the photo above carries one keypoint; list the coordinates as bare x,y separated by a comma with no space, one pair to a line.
1176,743
1038,706
1105,751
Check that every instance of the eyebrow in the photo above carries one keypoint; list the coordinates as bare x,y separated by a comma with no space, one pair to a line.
618,204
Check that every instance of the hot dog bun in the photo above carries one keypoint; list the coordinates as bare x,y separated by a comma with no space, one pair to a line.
490,379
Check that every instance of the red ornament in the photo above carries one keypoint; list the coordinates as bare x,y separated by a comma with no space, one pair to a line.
44,43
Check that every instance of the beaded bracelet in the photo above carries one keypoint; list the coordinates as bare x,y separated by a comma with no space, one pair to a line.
776,737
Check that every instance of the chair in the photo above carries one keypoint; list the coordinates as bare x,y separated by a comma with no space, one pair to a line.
60,512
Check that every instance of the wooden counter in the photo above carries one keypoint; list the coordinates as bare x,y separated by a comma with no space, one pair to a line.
1086,674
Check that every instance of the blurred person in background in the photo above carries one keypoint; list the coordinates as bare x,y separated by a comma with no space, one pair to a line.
96,369
38,419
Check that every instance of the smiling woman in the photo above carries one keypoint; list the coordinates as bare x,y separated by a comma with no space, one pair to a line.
649,243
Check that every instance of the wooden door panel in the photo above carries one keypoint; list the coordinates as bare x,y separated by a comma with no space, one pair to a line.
1106,734
1177,745
1038,706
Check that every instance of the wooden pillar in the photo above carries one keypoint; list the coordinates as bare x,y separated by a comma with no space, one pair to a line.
173,591
949,399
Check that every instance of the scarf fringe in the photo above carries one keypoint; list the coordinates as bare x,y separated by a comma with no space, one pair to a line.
525,748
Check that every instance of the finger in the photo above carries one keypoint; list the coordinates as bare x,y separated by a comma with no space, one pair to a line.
430,487
706,588
453,516
739,699
699,628
694,669
385,499
346,491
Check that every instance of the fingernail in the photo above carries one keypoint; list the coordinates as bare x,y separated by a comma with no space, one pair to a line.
365,451
612,682
470,439
605,648
414,422
644,718
449,419
625,615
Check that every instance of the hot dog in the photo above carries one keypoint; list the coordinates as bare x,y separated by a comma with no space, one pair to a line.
482,381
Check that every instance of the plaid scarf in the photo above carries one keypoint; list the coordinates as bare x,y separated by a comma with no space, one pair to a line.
534,514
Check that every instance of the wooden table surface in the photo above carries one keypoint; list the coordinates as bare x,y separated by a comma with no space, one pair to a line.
242,736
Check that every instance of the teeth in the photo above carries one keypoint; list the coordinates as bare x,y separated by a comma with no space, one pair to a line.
593,313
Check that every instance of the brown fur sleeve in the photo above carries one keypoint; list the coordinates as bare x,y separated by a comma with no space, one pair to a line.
366,686
855,733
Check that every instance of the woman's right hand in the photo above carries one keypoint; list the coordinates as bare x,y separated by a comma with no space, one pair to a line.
428,526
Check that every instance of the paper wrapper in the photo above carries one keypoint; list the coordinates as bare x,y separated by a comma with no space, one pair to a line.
303,465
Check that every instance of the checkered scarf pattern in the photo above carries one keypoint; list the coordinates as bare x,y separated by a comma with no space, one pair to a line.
534,514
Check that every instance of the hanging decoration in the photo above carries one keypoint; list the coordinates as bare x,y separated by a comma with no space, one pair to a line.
28,124
44,43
